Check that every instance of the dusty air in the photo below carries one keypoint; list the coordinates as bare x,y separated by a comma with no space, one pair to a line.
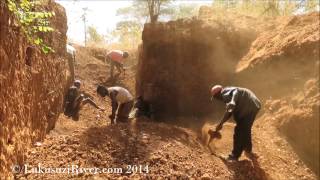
159,89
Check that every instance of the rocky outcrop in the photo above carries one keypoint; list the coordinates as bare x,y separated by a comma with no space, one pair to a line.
32,86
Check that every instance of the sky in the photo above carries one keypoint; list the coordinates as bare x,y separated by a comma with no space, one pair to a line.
101,14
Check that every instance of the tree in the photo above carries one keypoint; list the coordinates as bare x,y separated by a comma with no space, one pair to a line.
94,36
138,12
183,11
33,20
311,5
266,7
154,7
143,11
128,33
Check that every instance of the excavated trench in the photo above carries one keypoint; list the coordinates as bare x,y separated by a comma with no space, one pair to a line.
181,60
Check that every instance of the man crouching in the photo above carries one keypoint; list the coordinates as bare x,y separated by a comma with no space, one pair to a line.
75,99
121,100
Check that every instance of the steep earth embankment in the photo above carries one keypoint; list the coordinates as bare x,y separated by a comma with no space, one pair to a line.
297,118
31,86
284,58
282,67
254,25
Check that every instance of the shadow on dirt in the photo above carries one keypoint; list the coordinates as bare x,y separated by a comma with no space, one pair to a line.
116,80
133,143
246,169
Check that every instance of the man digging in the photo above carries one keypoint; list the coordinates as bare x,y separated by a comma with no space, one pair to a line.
244,106
121,101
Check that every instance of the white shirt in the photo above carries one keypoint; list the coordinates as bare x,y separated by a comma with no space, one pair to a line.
71,50
123,95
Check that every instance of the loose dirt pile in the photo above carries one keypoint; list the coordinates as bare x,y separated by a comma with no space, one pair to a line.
283,58
296,37
297,117
245,23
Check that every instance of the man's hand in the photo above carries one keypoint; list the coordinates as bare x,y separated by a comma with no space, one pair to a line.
230,106
219,127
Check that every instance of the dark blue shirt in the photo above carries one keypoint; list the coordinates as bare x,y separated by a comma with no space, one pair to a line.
245,100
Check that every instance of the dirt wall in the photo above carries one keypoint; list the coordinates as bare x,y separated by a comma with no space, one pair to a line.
282,67
181,60
297,118
286,57
31,86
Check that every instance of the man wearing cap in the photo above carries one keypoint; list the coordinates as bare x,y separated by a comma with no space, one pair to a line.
75,100
121,101
116,59
244,106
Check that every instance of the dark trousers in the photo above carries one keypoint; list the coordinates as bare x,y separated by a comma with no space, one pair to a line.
118,65
124,111
76,106
242,134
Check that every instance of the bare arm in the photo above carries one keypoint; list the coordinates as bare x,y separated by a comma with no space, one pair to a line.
114,103
87,95
90,101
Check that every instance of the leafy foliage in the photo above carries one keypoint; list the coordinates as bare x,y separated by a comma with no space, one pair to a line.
184,10
267,7
33,23
129,31
94,36
143,11
155,8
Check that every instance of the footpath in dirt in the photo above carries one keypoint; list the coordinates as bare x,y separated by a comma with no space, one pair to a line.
154,150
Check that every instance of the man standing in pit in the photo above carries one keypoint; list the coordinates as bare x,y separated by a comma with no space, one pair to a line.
75,100
121,101
244,106
116,59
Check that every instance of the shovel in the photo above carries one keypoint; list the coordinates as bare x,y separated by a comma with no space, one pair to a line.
213,135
